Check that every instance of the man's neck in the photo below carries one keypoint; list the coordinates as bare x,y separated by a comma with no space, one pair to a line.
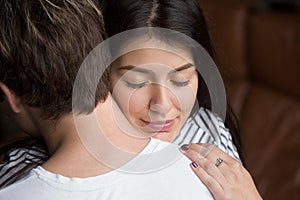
89,145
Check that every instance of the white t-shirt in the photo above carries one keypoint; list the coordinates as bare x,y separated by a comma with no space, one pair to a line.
205,127
160,171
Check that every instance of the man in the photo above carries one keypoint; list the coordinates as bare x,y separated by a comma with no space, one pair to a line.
42,46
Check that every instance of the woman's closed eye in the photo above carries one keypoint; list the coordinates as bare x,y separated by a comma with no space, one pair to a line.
180,83
135,85
135,80
183,79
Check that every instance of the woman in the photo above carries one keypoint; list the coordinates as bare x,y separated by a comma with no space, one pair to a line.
182,16
222,174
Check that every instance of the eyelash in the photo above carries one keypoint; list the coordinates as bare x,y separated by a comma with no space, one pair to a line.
181,84
136,85
140,85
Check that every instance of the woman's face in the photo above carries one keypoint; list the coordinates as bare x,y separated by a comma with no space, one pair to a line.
155,89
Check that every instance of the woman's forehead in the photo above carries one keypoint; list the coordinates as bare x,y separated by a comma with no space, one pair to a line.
153,47
151,55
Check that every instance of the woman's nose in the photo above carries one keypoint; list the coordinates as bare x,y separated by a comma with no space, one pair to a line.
161,99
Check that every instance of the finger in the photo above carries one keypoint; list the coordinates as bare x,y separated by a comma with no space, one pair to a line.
234,173
211,183
209,149
213,153
203,149
230,168
206,165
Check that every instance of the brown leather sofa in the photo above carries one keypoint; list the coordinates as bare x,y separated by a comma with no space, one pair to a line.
259,55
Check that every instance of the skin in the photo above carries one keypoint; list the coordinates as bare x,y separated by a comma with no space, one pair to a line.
156,90
230,180
62,139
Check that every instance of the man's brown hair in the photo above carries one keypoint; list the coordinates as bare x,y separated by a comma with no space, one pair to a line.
42,45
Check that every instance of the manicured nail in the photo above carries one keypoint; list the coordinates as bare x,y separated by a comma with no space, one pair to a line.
195,165
184,147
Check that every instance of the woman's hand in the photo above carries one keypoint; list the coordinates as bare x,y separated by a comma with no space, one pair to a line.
224,176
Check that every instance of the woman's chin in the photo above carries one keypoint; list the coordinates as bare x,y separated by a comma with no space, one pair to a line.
165,136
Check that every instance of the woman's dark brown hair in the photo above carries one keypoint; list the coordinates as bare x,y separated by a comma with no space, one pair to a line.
183,16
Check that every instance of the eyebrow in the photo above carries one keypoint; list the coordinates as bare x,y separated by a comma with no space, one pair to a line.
135,68
146,71
181,68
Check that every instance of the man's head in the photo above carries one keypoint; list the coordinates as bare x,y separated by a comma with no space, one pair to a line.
42,45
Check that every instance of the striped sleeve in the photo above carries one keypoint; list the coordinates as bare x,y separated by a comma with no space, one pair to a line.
207,127
19,162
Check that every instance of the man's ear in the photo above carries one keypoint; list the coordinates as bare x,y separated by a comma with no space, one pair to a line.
11,98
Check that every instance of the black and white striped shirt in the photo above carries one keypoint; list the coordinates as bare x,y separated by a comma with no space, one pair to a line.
21,160
205,127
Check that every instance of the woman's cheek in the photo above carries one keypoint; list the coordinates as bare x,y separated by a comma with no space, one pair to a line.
138,104
185,98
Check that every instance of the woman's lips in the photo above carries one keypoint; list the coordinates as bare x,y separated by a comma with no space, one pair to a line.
159,126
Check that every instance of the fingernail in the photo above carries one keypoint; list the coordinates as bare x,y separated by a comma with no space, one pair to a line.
184,147
195,165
